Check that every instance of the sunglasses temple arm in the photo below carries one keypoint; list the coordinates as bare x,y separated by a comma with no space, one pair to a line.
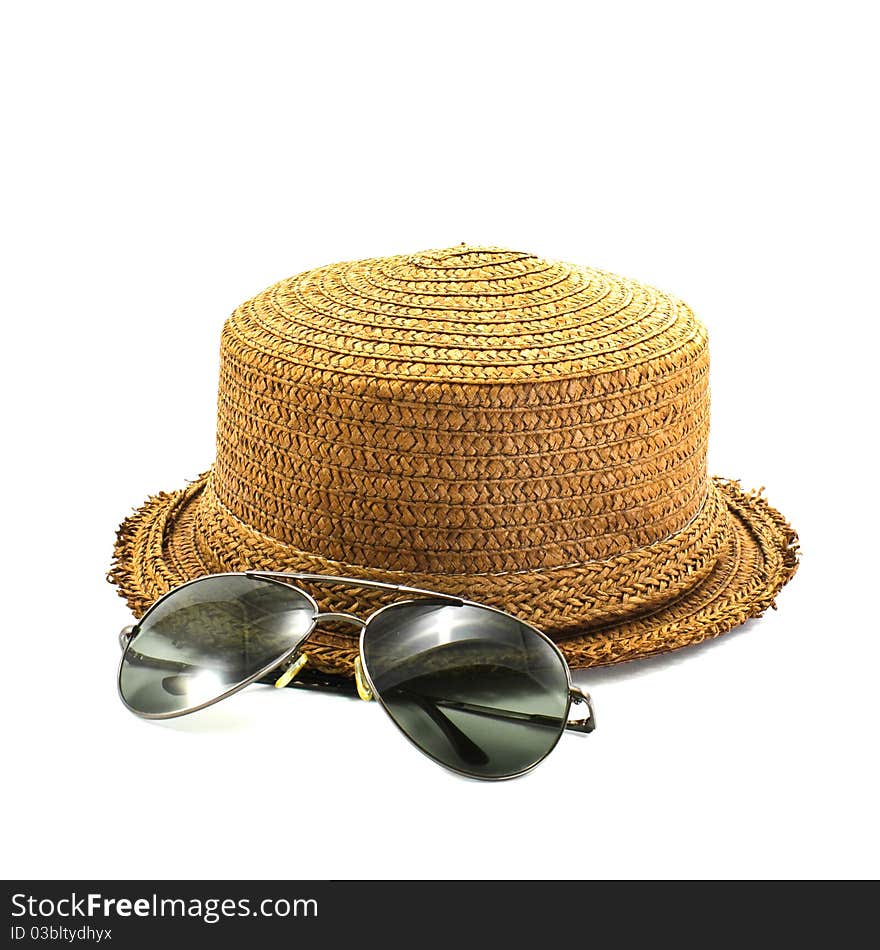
492,712
314,679
469,751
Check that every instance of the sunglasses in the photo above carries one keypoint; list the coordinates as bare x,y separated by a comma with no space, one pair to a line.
476,689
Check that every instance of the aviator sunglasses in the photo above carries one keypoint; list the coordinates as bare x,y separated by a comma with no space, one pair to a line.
476,689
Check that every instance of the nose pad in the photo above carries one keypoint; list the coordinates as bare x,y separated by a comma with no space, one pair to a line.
292,670
360,680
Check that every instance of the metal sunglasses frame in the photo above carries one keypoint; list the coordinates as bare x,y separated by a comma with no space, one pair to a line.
293,660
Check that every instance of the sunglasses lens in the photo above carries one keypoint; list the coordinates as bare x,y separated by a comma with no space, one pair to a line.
207,637
478,691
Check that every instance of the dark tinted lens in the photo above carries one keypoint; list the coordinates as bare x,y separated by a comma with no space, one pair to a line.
477,690
206,638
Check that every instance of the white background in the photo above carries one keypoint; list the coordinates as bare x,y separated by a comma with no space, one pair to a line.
164,162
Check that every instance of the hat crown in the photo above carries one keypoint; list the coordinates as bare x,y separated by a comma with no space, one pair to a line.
468,314
459,412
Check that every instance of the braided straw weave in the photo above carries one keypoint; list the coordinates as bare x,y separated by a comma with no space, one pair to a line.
479,421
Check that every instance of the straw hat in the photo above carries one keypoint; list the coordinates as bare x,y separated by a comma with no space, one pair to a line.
527,433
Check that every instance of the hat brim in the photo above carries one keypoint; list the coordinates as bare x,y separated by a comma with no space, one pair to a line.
157,549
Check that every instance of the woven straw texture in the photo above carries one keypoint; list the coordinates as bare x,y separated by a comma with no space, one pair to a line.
522,432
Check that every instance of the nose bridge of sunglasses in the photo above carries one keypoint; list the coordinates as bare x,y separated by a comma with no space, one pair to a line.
363,687
299,661
338,616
